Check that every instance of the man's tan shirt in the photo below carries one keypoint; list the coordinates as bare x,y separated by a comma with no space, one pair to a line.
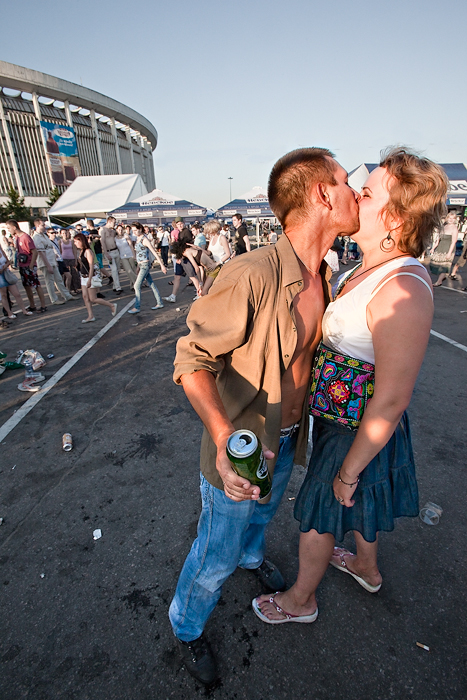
244,332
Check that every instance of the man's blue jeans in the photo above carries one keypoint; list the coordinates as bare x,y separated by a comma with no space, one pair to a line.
144,274
230,534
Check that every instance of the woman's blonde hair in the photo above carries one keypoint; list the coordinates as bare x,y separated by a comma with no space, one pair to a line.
417,197
211,228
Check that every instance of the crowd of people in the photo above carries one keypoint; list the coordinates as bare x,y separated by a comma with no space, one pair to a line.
77,261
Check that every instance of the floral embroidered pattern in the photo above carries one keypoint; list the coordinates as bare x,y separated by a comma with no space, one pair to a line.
341,387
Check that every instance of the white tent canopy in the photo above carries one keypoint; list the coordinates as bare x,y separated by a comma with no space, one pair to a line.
96,195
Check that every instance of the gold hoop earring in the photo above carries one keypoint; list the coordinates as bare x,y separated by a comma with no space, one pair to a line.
388,244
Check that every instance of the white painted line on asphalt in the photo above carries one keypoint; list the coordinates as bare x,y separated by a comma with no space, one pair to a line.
449,340
45,388
451,289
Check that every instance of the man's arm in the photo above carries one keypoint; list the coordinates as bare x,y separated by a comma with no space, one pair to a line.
246,238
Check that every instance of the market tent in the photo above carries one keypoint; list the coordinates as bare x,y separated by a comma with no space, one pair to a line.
254,203
456,172
157,207
95,195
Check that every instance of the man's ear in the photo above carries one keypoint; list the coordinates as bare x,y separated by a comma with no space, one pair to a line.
323,196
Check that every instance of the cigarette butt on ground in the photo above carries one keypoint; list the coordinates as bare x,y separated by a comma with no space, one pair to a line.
423,646
292,499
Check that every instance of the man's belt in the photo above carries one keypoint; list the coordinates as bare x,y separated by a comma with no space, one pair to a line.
287,432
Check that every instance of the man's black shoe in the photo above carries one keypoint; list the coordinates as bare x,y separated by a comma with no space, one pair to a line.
199,660
118,291
100,296
110,280
270,576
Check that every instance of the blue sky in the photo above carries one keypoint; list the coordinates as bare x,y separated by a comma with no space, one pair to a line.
233,85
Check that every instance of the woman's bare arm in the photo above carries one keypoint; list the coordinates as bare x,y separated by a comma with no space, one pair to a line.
399,317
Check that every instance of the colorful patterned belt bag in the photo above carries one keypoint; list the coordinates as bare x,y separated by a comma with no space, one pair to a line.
341,387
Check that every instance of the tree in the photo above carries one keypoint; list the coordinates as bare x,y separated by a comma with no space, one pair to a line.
14,208
54,194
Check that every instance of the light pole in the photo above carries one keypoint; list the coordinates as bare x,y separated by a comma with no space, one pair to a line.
230,187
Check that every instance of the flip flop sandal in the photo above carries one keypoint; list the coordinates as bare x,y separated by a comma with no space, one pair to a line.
342,566
288,617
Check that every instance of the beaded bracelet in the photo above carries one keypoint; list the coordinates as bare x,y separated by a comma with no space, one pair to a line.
344,482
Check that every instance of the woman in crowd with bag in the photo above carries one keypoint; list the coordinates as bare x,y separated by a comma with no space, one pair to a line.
90,277
361,474
8,283
143,247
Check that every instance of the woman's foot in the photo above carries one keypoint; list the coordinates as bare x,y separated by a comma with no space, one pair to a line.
133,311
88,320
437,284
346,561
27,313
281,607
114,309
12,316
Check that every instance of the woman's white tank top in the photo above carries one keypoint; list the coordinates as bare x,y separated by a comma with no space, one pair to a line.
345,327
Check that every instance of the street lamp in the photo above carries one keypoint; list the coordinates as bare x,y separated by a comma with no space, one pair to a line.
230,186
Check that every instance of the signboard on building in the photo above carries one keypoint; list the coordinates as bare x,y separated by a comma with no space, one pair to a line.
62,153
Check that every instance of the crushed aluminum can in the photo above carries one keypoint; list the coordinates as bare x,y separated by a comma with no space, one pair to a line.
67,442
97,534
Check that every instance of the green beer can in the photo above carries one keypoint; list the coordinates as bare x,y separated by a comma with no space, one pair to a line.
245,452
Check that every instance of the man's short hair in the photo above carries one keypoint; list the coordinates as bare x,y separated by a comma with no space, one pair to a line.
293,175
12,222
38,221
237,216
111,218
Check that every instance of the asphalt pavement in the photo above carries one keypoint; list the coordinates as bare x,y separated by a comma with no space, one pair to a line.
86,619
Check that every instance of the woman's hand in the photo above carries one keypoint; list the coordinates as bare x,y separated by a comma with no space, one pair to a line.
344,493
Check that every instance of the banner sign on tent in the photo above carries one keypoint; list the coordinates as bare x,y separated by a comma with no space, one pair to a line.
62,152
120,216
158,201
144,214
456,200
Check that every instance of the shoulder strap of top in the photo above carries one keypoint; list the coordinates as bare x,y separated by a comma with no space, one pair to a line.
399,274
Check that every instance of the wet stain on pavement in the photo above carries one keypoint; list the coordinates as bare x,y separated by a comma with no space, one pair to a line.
143,446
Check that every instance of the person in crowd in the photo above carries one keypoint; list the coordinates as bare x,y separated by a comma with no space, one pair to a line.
90,278
233,383
182,267
164,240
444,247
27,257
90,228
199,239
226,231
109,248
461,260
10,251
272,237
127,254
130,233
69,254
8,285
142,248
242,240
47,264
220,250
62,268
96,247
361,475
199,258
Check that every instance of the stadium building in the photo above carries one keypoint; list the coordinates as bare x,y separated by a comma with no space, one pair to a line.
52,130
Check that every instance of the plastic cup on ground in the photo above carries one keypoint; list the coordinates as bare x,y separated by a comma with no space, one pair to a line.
430,513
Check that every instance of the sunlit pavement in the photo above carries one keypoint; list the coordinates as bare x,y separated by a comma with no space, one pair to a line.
87,619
